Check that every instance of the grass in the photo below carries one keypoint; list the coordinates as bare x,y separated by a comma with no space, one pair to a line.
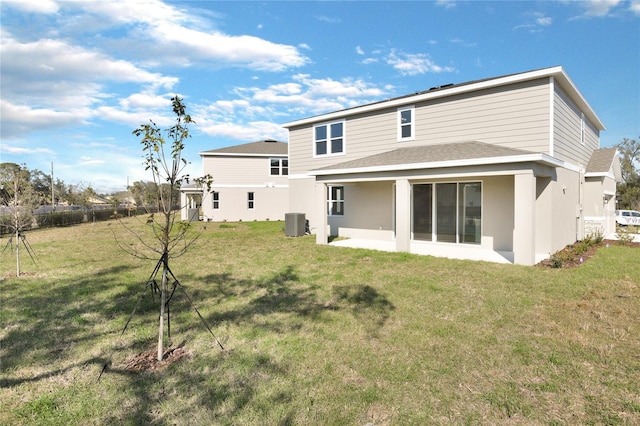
316,335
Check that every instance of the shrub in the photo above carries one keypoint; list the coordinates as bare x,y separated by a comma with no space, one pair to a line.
597,236
625,235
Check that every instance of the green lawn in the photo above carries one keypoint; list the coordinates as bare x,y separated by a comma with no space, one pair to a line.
316,335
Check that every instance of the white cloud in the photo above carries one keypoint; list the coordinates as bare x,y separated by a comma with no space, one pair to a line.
183,38
16,150
89,161
461,42
605,8
359,50
133,118
328,19
536,22
145,101
598,8
544,21
309,95
33,6
302,96
251,131
447,4
414,63
50,84
18,120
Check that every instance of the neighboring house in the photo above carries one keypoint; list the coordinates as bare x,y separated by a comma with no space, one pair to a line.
506,169
250,182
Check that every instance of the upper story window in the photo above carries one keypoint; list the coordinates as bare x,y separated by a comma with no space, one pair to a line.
329,138
278,167
406,123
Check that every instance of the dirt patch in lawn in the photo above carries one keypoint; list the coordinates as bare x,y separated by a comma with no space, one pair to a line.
570,258
148,360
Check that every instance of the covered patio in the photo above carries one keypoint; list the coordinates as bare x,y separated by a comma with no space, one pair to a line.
464,201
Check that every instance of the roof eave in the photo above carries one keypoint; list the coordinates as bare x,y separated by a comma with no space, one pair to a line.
537,158
239,154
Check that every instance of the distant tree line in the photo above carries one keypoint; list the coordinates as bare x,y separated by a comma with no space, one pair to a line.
42,187
31,198
628,193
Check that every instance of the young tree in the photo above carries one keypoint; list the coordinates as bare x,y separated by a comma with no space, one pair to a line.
19,197
629,189
162,152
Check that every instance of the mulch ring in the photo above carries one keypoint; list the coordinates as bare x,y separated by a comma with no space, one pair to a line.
571,260
148,360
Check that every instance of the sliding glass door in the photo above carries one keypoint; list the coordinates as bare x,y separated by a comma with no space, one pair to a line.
423,212
447,212
470,212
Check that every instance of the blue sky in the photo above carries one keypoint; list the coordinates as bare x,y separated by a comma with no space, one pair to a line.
77,77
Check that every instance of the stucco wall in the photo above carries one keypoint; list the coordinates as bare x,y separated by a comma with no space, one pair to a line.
565,209
270,203
302,198
497,212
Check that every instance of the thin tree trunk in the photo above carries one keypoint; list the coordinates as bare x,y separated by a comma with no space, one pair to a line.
17,253
163,298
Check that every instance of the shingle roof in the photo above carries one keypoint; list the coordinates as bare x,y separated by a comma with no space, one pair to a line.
430,154
601,160
264,147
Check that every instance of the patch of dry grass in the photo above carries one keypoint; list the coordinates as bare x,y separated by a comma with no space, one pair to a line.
317,335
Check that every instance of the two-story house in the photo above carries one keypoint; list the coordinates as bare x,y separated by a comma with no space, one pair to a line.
250,182
504,169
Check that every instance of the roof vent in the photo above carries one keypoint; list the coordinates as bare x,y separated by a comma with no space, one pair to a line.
441,87
270,140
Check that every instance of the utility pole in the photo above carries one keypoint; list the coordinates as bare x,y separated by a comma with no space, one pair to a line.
53,200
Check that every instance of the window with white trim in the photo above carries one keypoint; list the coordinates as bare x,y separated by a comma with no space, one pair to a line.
278,167
250,200
335,200
216,200
406,123
328,138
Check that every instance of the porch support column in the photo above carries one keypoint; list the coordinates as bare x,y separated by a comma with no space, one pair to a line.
403,215
184,207
321,207
524,212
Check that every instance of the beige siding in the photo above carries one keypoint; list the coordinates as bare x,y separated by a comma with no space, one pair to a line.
566,132
241,170
515,116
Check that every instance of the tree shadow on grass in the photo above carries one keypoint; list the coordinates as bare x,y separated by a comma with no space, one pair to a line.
47,321
284,293
367,304
221,385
